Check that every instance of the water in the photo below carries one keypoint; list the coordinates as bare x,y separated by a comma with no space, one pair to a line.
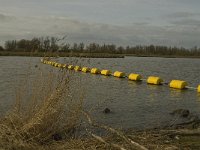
133,105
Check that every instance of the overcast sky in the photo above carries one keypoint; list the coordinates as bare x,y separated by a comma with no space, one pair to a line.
121,22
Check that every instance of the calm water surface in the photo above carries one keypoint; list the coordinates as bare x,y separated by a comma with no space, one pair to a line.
133,105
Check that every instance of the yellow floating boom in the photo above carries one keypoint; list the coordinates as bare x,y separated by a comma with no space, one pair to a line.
64,65
198,88
77,68
59,65
119,74
85,69
95,71
154,80
178,84
56,64
134,77
70,67
106,72
52,63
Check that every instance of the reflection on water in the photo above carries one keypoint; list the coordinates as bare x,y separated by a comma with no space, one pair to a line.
198,97
133,104
153,87
176,93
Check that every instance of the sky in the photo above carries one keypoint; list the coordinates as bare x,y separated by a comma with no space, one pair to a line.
120,22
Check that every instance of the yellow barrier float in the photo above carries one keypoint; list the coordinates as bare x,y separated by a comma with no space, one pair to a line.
52,63
119,74
154,80
106,72
70,67
95,71
134,77
77,68
64,65
198,89
59,65
178,84
56,64
85,69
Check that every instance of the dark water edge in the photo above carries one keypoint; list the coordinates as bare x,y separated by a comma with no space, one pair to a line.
61,54
86,55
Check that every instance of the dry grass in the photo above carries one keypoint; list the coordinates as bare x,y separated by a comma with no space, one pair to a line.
44,112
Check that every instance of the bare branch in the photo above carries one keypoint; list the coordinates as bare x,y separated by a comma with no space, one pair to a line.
135,144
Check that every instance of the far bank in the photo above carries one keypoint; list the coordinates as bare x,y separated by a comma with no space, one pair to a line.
85,55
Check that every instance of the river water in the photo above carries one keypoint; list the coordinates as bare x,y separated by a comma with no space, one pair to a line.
133,104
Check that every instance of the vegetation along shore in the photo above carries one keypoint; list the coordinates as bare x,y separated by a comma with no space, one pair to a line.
59,47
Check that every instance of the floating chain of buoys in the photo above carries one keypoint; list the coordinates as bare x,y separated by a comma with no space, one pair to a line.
176,84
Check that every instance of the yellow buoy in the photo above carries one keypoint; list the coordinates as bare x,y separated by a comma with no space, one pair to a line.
56,64
154,80
177,84
119,74
59,65
85,69
198,89
77,68
95,71
134,77
71,67
106,72
64,65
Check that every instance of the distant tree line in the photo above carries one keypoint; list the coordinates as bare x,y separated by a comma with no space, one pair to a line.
52,44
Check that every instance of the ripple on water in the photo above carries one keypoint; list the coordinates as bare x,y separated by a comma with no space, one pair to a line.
133,104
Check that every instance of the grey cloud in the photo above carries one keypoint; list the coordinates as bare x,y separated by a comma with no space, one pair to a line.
4,17
77,31
187,22
182,15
